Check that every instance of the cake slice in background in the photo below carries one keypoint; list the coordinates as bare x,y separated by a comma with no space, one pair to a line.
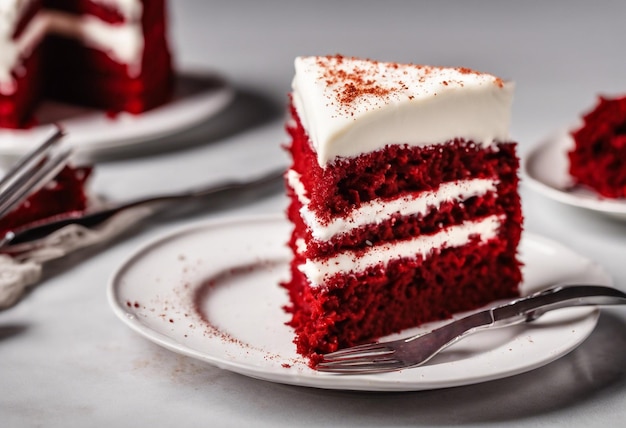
21,32
403,197
598,158
107,54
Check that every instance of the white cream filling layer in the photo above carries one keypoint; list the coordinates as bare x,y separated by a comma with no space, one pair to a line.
123,42
377,211
317,271
351,106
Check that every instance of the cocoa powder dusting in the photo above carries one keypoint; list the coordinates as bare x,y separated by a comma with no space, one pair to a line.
464,70
354,81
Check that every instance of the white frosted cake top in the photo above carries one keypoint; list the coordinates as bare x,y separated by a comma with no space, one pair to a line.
351,106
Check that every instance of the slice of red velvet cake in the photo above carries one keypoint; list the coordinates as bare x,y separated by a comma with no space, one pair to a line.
108,54
404,198
598,159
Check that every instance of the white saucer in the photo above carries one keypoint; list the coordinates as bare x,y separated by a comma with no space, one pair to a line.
545,169
197,97
211,292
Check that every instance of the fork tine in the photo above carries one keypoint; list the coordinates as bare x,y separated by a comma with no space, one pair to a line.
33,156
29,184
365,349
360,359
362,368
32,172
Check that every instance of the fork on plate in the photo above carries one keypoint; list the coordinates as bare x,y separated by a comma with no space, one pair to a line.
416,350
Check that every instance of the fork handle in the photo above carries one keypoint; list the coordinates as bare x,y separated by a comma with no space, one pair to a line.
96,218
521,310
532,307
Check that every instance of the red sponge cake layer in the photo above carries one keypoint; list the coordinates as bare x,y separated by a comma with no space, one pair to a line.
405,293
598,159
16,107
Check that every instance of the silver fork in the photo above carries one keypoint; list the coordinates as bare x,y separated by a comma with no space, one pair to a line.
417,350
32,172
34,236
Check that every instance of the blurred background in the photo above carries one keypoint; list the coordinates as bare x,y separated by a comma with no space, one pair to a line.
560,53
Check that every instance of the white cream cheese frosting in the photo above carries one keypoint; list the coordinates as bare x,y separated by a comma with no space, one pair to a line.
351,106
123,42
377,210
317,271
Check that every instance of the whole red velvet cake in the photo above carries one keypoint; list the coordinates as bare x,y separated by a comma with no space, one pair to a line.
107,54
404,198
598,159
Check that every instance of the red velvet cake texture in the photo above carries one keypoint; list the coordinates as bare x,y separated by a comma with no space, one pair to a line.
63,195
598,159
350,309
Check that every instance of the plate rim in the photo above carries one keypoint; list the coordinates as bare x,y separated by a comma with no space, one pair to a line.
316,379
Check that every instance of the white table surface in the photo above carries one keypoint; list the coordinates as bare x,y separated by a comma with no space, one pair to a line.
66,360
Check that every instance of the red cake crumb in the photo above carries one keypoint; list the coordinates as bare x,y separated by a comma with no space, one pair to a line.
598,159
63,195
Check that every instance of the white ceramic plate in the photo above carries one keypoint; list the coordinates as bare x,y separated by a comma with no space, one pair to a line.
92,132
211,292
545,169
